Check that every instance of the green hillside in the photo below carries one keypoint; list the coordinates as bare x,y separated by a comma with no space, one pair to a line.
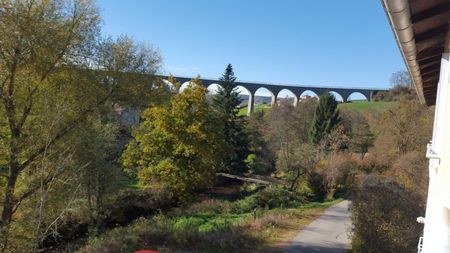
364,105
358,105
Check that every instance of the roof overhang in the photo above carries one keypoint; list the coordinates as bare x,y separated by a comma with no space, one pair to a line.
421,29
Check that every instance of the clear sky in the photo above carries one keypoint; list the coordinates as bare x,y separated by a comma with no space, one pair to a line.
322,42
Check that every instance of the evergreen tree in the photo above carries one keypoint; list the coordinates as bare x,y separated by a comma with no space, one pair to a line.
326,118
226,103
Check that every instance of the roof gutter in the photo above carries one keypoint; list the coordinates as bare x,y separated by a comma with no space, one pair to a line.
399,16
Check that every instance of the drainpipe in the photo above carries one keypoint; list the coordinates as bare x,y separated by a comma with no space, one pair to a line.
399,16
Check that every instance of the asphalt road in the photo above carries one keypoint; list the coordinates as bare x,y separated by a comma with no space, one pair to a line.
327,234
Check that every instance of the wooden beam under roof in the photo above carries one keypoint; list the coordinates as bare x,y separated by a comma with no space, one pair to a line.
429,69
429,53
433,59
432,12
440,31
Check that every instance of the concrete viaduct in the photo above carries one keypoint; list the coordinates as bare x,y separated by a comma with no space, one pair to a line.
275,89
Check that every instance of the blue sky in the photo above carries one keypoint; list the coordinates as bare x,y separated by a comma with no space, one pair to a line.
322,43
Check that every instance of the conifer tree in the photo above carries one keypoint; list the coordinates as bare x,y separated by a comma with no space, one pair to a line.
226,103
326,118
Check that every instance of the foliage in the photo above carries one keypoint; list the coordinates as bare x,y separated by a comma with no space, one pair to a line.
226,103
270,197
202,227
262,159
97,150
409,170
338,140
404,128
384,216
385,210
334,175
286,131
402,88
361,136
57,73
163,233
326,118
177,145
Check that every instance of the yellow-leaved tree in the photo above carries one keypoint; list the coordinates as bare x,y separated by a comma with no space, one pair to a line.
177,146
56,72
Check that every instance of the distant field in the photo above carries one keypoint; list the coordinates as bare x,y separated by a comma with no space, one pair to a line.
356,105
258,108
363,105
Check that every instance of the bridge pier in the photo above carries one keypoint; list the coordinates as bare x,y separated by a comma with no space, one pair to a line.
251,103
273,100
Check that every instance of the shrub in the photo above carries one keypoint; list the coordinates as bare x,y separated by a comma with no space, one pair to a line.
269,197
132,204
316,182
210,206
384,217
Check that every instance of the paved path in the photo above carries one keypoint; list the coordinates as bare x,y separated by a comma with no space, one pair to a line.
327,234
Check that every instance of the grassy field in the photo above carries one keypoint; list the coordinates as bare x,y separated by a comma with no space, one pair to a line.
363,106
357,105
258,108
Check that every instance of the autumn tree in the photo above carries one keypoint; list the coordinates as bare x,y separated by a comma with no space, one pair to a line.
287,134
361,136
262,159
401,79
178,146
326,118
55,72
405,127
225,104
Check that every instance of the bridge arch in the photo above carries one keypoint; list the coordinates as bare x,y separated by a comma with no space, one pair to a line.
357,96
213,88
288,95
337,96
169,84
307,94
246,95
263,92
184,86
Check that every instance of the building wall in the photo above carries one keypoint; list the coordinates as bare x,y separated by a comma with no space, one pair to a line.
437,217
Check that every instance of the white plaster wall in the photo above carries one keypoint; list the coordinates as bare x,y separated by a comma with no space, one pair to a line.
437,217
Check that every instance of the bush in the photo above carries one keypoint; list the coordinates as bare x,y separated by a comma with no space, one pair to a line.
132,204
210,206
384,217
121,210
316,182
192,234
269,197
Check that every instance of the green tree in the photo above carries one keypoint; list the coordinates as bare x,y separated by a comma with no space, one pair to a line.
97,150
326,118
226,103
177,146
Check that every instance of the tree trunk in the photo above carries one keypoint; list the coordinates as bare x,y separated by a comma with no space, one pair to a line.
8,204
294,182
